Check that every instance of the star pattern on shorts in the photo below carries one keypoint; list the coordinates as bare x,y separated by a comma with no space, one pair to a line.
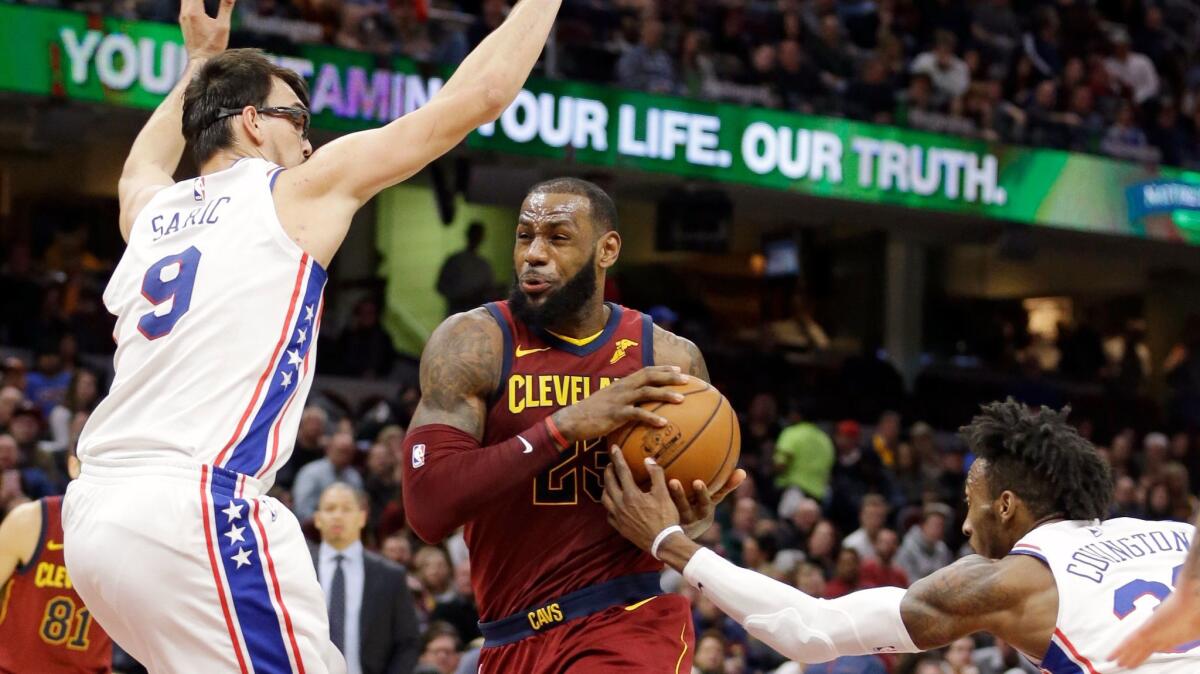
287,379
294,358
235,534
233,511
301,336
308,313
242,557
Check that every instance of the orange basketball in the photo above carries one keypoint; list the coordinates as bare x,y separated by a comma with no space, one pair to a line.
701,441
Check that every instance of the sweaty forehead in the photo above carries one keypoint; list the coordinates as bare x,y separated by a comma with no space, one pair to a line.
541,206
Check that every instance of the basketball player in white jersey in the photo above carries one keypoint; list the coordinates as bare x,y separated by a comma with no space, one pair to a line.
170,538
1050,578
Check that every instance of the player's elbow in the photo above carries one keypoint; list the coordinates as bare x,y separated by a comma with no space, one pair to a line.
496,93
429,522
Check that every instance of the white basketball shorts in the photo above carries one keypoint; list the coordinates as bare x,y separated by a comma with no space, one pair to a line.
191,568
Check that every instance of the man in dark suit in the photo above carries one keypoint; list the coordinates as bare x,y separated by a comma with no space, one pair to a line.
372,619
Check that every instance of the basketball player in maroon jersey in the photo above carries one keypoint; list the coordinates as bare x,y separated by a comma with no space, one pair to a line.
508,440
44,626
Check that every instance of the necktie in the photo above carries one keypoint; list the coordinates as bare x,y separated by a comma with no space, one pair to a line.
337,606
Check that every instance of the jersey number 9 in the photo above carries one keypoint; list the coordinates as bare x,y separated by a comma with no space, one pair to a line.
171,278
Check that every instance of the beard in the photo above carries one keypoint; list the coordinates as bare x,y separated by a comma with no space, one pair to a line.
560,305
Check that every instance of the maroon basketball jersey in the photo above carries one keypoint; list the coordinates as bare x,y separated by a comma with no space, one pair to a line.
44,626
551,536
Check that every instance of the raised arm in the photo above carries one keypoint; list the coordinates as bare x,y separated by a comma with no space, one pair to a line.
1014,598
155,154
344,174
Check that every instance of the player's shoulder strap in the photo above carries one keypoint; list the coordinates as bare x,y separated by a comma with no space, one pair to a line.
502,313
47,511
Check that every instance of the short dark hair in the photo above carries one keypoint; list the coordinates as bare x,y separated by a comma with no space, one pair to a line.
441,628
1040,457
233,79
360,496
603,210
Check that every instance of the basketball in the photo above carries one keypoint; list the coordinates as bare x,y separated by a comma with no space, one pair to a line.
701,441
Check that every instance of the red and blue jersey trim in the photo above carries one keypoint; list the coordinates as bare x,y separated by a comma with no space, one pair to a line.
259,624
255,452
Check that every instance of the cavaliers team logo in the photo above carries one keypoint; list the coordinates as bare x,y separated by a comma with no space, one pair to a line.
198,189
622,346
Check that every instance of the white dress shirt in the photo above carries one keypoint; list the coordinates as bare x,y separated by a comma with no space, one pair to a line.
352,569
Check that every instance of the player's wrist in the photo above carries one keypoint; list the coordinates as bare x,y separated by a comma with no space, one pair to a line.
556,436
560,421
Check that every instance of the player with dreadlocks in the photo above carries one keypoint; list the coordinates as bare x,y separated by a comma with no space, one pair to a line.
1050,577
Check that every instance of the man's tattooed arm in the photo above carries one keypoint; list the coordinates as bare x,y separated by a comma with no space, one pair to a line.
459,369
671,349
1014,598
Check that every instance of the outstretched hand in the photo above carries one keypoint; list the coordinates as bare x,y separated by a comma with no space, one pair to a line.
638,515
204,36
696,512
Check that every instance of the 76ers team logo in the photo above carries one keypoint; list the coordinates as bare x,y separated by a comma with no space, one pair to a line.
198,189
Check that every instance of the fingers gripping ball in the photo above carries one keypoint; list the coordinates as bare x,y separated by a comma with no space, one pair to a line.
701,441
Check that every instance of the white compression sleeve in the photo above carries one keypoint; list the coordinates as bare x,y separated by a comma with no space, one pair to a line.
801,627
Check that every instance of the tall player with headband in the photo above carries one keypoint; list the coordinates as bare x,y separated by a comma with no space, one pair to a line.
1050,578
170,538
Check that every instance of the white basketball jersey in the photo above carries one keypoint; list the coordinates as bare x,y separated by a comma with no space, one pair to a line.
1110,576
217,317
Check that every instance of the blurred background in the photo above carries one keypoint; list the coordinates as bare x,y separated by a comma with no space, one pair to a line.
871,216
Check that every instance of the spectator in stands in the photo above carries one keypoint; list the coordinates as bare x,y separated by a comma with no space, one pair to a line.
47,384
1044,124
887,437
822,547
810,579
995,27
845,574
460,609
82,395
311,440
872,97
706,616
881,569
466,279
1133,71
431,567
760,429
710,654
20,482
316,476
1085,130
1168,136
924,550
1041,44
798,83
958,657
803,455
381,482
742,525
857,472
697,74
871,520
798,524
1125,498
1153,459
442,650
1002,658
647,66
946,71
26,427
831,54
364,347
11,398
397,548
372,619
